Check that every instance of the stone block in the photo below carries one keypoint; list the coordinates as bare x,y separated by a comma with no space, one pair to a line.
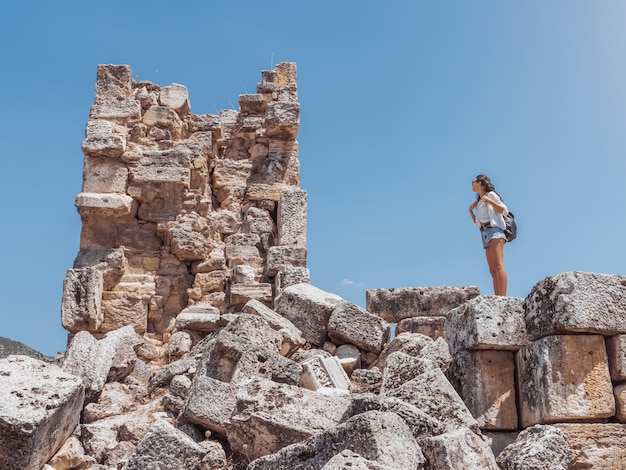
242,248
126,112
401,368
199,318
460,448
349,356
113,82
577,302
486,322
397,304
258,221
373,439
253,103
292,218
409,343
210,403
269,416
323,372
289,276
564,378
242,293
105,205
110,146
81,305
616,352
485,380
349,323
434,327
161,174
539,447
308,308
431,393
620,402
282,119
283,257
104,176
124,308
255,329
40,406
164,446
175,97
601,446
266,192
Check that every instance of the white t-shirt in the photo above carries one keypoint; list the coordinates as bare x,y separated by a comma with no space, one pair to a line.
486,214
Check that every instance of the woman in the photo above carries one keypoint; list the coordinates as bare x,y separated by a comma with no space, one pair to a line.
489,219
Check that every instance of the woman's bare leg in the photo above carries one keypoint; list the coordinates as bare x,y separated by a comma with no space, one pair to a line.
495,260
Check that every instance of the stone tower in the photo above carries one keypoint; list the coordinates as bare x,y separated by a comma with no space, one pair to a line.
183,212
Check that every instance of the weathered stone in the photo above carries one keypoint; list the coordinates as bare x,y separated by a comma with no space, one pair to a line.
485,380
210,403
487,322
601,446
408,343
381,438
179,344
564,378
433,327
70,455
242,293
308,308
113,82
577,302
266,192
81,305
104,176
255,329
292,218
258,221
437,352
401,368
165,446
460,448
616,352
163,117
123,111
291,336
290,276
253,104
269,416
349,356
115,399
538,447
101,141
175,97
396,304
124,308
349,323
365,381
105,205
620,402
199,318
319,372
40,406
282,257
242,248
282,119
434,395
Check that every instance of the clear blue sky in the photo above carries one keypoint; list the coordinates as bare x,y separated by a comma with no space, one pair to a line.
403,103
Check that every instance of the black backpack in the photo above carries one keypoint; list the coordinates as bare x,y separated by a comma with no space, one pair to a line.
510,230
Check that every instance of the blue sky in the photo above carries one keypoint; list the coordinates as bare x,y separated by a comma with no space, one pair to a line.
403,103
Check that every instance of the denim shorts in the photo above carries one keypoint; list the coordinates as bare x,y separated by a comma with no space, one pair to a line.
491,233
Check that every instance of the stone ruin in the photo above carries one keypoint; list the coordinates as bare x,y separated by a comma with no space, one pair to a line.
196,340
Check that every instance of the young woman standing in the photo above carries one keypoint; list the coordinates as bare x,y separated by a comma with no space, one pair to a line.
487,213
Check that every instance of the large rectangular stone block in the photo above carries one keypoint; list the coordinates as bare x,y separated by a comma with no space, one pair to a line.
81,305
485,380
397,304
564,378
351,324
596,446
292,218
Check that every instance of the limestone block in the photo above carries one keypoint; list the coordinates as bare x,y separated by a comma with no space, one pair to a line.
113,82
70,455
231,358
408,343
242,248
92,360
258,221
308,308
282,257
175,97
429,326
349,356
105,205
397,304
319,372
353,461
163,375
163,117
266,192
242,274
498,440
242,293
282,119
199,318
230,175
292,217
226,222
164,446
186,243
179,344
290,276
124,308
485,380
486,322
210,403
577,302
155,174
269,416
383,439
101,141
601,446
620,402
286,73
431,393
401,368
460,448
253,103
564,378
616,352
126,112
181,155
104,176
81,305
437,352
539,447
349,323
255,329
292,339
40,406
365,381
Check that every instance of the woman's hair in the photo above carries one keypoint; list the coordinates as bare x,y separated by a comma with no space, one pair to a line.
485,182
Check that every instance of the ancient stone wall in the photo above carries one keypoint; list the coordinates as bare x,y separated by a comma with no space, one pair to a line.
182,210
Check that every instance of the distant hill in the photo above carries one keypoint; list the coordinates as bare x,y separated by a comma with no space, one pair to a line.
8,347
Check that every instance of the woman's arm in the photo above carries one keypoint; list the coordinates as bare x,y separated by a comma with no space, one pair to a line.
498,205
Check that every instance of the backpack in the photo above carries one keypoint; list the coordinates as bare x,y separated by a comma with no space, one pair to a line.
510,230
